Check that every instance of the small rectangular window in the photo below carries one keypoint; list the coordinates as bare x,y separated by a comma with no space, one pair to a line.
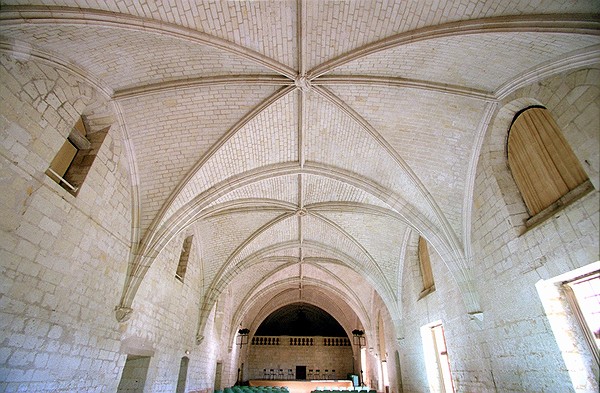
62,161
73,161
443,362
583,295
183,258
570,300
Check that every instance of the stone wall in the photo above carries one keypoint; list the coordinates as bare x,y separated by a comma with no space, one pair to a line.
63,258
513,347
285,356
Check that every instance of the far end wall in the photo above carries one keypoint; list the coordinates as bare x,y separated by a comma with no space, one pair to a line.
285,356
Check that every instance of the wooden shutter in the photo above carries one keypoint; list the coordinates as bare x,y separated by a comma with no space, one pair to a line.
425,264
184,257
542,163
62,160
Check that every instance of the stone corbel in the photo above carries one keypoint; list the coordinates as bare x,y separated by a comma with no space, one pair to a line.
123,313
477,318
399,331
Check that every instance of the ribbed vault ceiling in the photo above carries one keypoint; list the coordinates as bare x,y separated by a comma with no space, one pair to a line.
292,131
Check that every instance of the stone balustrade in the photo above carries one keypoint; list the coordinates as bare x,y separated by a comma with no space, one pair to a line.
301,341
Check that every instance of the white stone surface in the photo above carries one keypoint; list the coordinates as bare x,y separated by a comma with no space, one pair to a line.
295,189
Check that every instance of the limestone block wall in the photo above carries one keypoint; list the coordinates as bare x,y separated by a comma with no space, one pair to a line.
513,348
445,305
229,354
523,350
165,321
286,356
63,258
381,346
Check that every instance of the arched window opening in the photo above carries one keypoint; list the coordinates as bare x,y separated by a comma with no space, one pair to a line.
541,161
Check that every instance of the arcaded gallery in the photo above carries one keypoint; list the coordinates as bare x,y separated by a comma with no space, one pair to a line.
299,196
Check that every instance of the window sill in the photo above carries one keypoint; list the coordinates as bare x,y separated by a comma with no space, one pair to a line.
58,188
566,200
426,292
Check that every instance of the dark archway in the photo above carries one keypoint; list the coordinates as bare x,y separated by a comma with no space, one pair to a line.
300,319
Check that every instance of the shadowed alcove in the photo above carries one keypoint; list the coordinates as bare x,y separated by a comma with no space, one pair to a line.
300,319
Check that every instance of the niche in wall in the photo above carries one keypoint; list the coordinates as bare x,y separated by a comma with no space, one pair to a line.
133,378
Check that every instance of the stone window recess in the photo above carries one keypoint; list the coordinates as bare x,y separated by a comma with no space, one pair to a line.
135,371
546,171
425,266
441,356
184,258
583,295
72,163
182,377
571,305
